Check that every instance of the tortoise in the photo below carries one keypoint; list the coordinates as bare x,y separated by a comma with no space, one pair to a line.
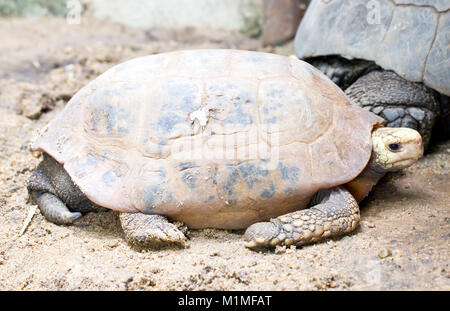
391,57
216,139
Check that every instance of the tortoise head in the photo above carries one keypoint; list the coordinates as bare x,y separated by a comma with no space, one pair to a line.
395,148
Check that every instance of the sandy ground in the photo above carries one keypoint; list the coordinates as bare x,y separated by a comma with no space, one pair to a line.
402,242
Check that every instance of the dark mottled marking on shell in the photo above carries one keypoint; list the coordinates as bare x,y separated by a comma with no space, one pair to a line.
161,144
288,190
185,165
162,173
212,174
250,173
272,120
109,178
186,91
189,180
90,163
209,199
167,122
109,116
274,95
238,115
232,202
277,93
105,156
289,174
232,178
153,195
268,193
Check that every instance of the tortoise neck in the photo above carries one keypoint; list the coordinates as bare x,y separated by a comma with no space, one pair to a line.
364,182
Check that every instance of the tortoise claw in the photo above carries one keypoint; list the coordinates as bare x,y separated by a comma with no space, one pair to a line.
261,234
151,231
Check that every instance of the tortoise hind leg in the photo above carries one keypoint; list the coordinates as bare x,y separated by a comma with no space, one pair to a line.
58,198
150,231
333,212
42,193
54,209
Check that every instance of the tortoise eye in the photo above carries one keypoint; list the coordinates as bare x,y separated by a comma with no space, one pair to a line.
394,147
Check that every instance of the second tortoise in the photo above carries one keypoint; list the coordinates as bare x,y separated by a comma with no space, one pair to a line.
391,57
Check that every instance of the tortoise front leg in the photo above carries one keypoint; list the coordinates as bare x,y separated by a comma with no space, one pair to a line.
150,231
333,212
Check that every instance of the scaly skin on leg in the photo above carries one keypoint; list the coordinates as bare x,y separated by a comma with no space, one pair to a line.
333,212
400,102
150,231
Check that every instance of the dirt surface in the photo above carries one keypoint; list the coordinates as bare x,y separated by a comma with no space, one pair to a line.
402,242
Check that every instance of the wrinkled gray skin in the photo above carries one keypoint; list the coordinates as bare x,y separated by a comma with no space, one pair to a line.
375,51
51,183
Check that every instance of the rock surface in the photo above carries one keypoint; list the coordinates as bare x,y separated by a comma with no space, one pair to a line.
281,19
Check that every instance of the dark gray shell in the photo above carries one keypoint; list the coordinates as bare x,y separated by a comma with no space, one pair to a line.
410,37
